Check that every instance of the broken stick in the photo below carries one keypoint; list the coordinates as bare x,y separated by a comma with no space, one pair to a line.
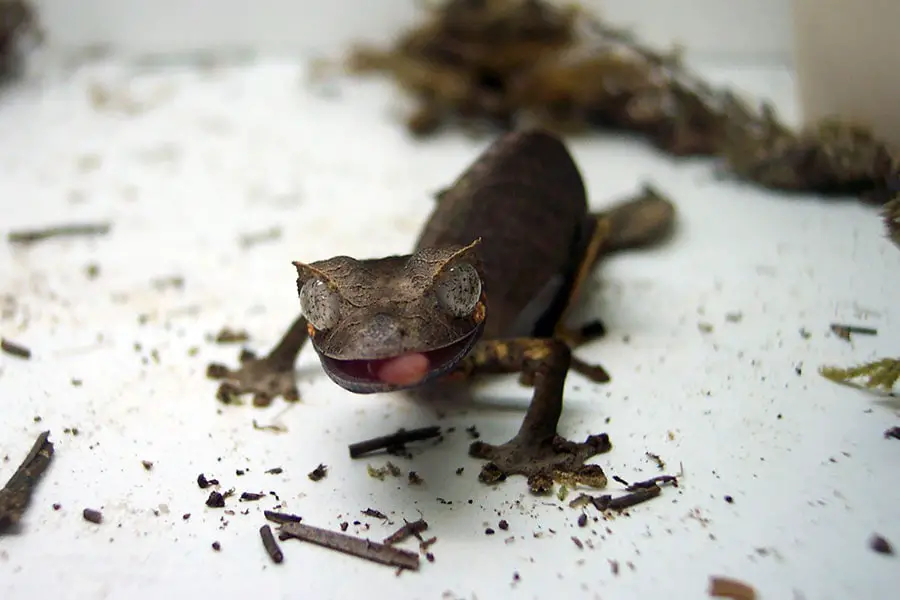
16,494
271,546
394,440
409,528
30,236
354,546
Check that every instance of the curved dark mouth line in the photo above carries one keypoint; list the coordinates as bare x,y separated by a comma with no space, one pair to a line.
360,376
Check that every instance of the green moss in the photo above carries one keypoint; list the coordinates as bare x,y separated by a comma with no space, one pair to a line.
879,375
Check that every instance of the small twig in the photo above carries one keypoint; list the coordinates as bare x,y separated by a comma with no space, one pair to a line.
354,546
371,512
269,543
402,436
607,502
30,236
16,494
14,349
275,428
281,518
653,482
845,331
637,497
408,529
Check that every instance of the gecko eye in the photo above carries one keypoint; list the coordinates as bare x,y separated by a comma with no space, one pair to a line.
458,289
320,305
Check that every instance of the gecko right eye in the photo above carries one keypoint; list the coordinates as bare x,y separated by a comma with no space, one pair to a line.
320,304
458,289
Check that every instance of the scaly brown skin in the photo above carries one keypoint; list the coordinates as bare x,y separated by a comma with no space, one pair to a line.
519,216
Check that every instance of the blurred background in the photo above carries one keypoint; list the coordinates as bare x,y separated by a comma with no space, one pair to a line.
732,29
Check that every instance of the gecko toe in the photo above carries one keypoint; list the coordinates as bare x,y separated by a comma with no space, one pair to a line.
594,373
542,463
263,378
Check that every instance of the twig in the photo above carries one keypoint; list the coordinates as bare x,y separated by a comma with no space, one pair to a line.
408,529
30,236
354,546
371,512
269,543
607,502
845,331
281,518
14,349
391,441
16,494
637,497
653,482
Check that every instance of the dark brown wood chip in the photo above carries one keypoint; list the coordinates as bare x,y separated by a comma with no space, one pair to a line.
880,545
92,515
269,543
725,587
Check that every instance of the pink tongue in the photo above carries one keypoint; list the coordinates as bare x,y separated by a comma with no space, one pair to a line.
404,370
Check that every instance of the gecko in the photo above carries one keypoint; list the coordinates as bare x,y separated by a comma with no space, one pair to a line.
487,289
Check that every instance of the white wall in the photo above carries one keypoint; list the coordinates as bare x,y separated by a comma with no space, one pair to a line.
755,29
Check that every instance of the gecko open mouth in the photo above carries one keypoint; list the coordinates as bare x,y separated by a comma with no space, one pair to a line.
363,376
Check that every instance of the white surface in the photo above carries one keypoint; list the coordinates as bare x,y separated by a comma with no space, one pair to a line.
758,28
183,163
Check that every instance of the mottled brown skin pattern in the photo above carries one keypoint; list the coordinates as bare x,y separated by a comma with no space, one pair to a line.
524,202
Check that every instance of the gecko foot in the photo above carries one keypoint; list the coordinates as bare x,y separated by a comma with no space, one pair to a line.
543,462
266,378
263,377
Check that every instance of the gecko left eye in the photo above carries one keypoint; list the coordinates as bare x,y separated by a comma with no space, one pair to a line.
458,289
320,305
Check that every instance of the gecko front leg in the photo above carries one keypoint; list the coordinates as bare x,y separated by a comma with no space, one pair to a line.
537,451
268,377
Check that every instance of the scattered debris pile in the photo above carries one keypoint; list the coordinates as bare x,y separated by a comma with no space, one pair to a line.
511,62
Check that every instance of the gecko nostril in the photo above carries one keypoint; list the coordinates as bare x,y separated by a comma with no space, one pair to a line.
383,329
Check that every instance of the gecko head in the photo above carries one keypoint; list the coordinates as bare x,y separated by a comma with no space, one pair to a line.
387,324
